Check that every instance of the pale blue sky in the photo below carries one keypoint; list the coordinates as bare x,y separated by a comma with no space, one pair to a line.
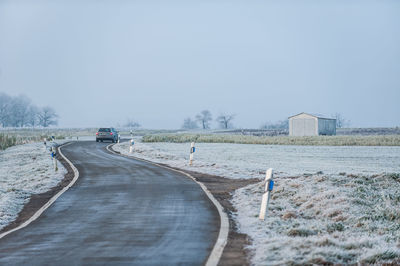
101,62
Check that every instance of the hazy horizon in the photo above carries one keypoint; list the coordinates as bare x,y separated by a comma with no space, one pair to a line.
100,63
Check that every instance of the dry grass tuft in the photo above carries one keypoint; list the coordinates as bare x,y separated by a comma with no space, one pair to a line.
379,257
301,232
289,215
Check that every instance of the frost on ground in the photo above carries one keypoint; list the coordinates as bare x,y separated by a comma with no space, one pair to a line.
251,161
345,214
323,219
25,170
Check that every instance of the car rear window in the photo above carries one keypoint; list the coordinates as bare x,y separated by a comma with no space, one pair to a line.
104,130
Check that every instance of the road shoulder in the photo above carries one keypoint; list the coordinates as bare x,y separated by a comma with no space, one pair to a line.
37,201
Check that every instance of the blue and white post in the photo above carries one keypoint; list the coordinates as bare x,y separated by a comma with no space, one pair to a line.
192,150
131,146
53,155
269,185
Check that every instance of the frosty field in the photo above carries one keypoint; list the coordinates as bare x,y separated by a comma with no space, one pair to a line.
25,170
251,160
323,219
329,205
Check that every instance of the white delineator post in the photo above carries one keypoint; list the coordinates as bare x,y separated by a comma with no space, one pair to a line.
192,150
53,155
118,139
269,185
131,143
45,144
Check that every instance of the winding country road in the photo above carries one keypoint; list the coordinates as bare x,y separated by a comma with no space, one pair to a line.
120,211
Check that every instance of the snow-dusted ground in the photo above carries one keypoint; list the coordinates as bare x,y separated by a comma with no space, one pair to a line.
348,213
247,160
25,170
323,218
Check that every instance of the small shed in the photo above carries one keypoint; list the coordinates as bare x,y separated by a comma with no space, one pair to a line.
304,124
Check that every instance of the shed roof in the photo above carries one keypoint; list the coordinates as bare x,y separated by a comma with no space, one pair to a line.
314,115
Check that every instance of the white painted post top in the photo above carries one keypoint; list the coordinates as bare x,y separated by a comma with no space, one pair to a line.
269,173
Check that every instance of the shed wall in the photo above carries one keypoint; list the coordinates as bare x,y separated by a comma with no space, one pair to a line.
303,126
326,126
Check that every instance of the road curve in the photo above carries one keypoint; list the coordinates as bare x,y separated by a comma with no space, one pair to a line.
120,211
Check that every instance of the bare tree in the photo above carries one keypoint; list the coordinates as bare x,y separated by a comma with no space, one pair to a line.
341,121
32,118
132,124
47,117
224,120
5,102
188,123
19,111
204,118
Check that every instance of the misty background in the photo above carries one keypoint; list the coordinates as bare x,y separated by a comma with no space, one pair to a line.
100,63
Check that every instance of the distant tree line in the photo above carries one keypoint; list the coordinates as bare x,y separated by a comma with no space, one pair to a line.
204,118
280,125
224,120
131,123
19,111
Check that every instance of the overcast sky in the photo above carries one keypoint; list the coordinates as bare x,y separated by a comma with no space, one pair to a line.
102,62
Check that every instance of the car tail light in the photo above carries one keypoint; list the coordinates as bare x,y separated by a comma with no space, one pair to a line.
97,133
111,133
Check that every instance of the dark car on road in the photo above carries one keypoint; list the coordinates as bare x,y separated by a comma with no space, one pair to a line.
107,133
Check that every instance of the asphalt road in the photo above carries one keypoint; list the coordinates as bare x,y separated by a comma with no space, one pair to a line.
120,211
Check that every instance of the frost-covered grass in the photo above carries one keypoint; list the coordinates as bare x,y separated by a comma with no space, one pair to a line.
7,141
346,213
251,161
388,140
11,136
14,136
142,131
339,219
30,135
25,170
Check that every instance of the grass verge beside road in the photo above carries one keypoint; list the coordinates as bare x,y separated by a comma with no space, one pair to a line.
7,141
388,140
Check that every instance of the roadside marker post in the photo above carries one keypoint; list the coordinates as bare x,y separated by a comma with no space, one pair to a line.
53,155
118,139
269,185
131,146
131,134
45,144
192,150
